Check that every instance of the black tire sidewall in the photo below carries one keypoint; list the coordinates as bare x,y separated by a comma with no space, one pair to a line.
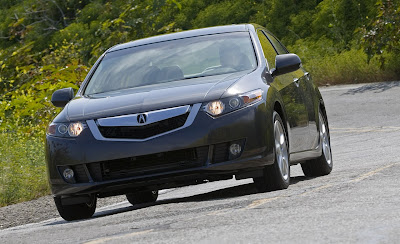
76,211
142,197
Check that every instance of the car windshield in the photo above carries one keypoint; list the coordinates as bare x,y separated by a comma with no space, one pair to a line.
173,60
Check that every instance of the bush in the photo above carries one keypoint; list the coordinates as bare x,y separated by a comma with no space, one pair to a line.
330,66
348,67
22,168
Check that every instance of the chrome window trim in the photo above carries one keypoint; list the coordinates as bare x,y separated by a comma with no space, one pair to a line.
189,121
152,117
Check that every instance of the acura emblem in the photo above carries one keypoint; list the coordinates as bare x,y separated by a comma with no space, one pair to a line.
141,118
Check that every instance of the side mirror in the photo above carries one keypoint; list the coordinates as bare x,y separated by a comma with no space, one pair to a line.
286,63
61,97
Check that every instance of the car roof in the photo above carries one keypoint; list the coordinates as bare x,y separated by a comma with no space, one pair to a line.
183,34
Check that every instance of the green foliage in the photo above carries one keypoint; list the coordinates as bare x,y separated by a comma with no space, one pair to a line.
279,16
224,13
382,35
25,104
22,168
348,67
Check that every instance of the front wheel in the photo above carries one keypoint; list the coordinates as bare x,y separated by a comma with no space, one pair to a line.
324,164
76,211
277,175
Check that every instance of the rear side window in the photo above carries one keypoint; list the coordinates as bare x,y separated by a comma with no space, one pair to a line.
268,49
277,44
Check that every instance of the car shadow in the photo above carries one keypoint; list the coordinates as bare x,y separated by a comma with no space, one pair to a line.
230,192
376,88
225,193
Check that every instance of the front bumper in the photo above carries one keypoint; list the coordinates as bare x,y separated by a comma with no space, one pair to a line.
201,150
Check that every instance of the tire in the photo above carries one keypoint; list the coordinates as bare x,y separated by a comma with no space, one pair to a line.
324,164
277,175
76,211
142,197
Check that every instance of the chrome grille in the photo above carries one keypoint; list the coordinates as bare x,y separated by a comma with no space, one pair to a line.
130,127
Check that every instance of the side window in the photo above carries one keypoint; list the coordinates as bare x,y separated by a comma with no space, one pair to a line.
277,44
268,49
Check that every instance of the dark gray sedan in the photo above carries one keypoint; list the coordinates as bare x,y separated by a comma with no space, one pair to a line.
186,108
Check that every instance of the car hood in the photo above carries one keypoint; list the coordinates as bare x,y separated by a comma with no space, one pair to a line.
148,98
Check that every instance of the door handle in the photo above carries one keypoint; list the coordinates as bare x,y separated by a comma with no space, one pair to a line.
296,81
307,75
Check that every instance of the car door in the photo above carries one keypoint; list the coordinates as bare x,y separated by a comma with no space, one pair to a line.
308,92
303,82
288,87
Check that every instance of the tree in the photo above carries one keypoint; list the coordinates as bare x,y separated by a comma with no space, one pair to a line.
382,35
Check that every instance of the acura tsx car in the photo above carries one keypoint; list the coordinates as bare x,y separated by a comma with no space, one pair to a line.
186,108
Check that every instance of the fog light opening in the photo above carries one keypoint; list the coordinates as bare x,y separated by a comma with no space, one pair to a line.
68,174
235,149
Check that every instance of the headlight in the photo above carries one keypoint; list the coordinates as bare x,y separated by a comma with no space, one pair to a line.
66,129
215,108
230,104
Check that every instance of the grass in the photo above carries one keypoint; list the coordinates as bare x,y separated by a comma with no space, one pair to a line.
331,66
22,168
351,67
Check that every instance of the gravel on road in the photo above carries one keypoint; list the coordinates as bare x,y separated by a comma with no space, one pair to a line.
38,210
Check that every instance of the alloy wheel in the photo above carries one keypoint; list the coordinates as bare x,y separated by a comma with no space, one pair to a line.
281,150
325,142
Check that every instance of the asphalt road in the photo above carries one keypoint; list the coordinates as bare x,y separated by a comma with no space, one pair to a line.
359,202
